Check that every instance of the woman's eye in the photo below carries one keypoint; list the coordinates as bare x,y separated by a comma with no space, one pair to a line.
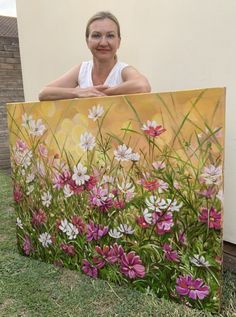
110,36
96,36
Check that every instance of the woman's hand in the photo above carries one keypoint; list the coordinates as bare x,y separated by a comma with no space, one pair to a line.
94,91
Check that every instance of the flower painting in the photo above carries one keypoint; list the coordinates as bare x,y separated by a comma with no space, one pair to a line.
125,188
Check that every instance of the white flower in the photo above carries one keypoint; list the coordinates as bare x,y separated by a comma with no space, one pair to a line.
115,233
149,124
172,205
69,229
46,199
96,112
211,174
135,157
19,223
147,216
159,165
67,191
87,141
162,204
30,189
80,176
45,239
220,195
40,168
107,179
30,178
199,260
72,231
125,228
152,203
23,158
36,128
26,120
123,153
63,226
126,187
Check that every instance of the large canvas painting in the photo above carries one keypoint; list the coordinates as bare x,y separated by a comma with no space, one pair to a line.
125,188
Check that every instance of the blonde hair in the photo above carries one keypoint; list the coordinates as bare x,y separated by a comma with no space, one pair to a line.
101,16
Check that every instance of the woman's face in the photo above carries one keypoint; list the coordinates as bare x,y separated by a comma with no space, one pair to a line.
103,40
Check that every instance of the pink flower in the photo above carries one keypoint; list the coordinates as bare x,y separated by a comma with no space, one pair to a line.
150,184
43,151
163,221
89,269
142,222
153,129
208,193
170,254
21,146
39,217
27,246
193,288
99,198
68,249
95,231
211,217
17,193
131,266
78,222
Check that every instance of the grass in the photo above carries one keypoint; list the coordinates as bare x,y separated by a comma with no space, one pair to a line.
30,288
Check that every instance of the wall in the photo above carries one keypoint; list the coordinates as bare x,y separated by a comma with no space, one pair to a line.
11,89
178,44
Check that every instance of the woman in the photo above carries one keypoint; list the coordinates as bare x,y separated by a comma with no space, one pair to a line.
104,75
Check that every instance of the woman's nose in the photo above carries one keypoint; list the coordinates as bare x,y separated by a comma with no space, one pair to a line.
103,40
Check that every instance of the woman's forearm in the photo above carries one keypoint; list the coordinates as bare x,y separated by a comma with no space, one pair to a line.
55,93
129,87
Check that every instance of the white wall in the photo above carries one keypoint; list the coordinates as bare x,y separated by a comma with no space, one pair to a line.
178,44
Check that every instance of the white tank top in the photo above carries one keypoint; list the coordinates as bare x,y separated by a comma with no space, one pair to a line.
85,75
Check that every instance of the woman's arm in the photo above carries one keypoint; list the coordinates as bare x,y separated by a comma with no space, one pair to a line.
134,82
66,87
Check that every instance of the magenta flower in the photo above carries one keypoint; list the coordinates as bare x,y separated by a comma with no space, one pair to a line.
68,249
150,185
103,253
78,222
131,266
89,269
163,221
21,146
142,222
153,129
211,217
95,231
91,182
119,203
60,180
99,198
17,193
115,254
193,288
27,245
170,254
39,217
77,189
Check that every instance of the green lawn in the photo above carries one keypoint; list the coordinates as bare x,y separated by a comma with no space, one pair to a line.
30,288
